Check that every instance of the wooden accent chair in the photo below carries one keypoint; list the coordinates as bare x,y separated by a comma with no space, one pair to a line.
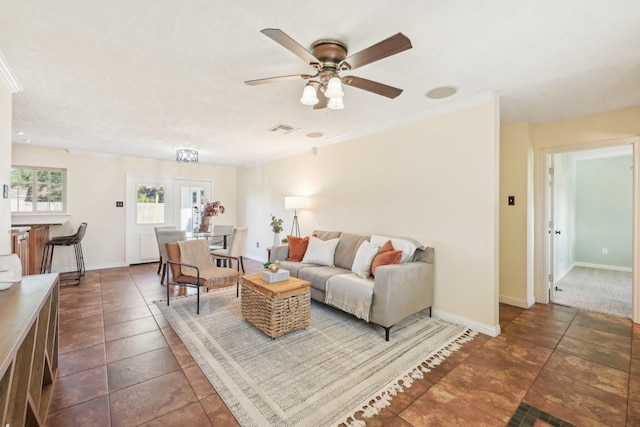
189,264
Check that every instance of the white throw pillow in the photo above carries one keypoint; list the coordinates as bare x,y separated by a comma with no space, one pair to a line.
364,257
320,251
407,247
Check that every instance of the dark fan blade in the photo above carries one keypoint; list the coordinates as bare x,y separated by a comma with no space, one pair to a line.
278,79
323,100
280,37
391,46
371,86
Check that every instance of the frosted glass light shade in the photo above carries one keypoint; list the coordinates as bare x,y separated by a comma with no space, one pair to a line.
335,104
309,96
334,88
294,202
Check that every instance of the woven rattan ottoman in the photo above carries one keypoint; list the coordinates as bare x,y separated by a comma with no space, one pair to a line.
276,308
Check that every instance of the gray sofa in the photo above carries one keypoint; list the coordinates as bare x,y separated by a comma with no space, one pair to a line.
399,290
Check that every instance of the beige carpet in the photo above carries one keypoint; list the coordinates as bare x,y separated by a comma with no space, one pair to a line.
318,376
599,290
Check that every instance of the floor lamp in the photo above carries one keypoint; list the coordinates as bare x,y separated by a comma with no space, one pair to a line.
295,203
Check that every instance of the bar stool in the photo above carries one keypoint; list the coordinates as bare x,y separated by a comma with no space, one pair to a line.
73,240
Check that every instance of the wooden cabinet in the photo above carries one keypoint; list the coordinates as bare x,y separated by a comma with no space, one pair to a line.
38,238
29,245
20,247
28,349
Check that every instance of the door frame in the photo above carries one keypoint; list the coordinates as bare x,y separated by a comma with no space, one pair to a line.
131,227
178,183
542,284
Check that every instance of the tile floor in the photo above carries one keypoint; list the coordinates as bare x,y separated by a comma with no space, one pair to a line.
121,364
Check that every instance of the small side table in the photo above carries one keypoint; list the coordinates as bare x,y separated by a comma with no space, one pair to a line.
275,308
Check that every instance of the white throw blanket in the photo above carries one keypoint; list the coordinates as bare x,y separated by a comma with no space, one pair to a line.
350,293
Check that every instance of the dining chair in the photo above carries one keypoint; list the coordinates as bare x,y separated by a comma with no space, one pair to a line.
156,229
217,240
164,237
235,248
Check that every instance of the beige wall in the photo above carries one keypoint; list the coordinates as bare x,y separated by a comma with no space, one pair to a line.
5,168
515,238
516,246
435,180
94,184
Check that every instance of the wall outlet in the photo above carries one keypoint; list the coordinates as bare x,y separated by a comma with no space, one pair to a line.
605,251
257,244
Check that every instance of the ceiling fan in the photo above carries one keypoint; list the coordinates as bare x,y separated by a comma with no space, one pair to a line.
329,58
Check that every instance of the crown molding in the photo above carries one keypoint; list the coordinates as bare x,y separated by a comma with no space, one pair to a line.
7,77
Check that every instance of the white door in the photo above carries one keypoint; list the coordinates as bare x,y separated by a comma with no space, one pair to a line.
189,197
149,203
550,261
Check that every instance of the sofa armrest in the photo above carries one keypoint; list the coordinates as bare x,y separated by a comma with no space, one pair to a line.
279,252
401,290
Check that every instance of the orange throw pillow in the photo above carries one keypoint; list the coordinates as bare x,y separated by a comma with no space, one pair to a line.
297,247
388,246
384,258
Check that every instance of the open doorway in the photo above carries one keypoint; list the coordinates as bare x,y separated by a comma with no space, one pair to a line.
591,229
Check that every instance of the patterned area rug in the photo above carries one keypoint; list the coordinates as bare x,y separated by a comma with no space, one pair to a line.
318,376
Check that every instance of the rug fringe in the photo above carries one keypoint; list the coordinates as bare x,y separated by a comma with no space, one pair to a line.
383,399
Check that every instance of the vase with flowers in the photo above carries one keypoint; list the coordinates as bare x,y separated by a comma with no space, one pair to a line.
276,226
208,210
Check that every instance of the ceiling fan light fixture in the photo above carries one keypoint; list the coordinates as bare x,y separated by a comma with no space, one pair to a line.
309,96
335,104
334,88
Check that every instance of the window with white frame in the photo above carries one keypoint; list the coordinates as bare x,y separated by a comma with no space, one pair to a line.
37,190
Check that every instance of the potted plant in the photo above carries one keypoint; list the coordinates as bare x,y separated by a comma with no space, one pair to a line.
276,226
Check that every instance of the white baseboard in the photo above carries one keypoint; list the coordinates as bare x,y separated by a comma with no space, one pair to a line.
492,331
91,267
516,302
603,266
256,258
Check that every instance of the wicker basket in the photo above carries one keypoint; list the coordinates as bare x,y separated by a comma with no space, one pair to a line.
275,315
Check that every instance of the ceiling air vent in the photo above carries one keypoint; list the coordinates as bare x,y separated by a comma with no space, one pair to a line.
282,128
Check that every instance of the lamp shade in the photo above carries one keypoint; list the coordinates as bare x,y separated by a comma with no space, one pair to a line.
335,104
309,96
294,202
334,88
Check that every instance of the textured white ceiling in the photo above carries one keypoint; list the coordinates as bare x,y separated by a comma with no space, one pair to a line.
146,77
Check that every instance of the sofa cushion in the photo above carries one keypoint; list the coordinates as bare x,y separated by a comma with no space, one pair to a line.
406,245
363,259
385,258
326,235
347,248
297,248
294,267
320,252
319,275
